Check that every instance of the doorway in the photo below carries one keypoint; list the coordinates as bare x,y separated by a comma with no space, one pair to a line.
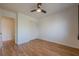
8,31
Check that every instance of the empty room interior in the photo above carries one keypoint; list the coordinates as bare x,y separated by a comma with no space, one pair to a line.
39,29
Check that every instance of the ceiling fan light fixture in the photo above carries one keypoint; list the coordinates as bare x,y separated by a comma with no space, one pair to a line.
38,10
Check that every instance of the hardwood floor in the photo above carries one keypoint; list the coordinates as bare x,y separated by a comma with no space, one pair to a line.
39,48
9,43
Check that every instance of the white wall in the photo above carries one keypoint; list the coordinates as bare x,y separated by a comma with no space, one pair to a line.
61,27
27,28
7,13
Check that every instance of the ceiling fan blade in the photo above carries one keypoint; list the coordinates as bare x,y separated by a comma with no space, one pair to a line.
43,11
33,10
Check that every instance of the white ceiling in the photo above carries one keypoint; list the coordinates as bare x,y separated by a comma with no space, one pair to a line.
26,7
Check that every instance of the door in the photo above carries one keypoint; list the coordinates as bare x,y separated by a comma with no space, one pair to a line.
8,31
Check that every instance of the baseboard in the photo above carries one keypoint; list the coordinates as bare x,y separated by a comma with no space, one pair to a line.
59,43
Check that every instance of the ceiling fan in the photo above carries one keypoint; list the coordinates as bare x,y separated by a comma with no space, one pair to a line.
39,9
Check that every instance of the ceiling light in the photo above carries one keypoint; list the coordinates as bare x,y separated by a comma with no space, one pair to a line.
38,10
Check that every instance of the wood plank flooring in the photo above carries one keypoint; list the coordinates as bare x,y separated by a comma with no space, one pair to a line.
39,48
